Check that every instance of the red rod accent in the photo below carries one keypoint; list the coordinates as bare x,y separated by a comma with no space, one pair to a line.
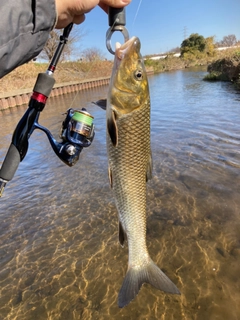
52,68
39,97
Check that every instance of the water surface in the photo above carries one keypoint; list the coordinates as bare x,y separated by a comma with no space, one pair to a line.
59,251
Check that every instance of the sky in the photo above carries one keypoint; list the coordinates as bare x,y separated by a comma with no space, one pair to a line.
162,24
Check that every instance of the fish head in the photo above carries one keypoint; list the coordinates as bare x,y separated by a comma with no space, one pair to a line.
129,90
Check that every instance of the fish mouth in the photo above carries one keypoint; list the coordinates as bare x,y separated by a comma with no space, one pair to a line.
122,49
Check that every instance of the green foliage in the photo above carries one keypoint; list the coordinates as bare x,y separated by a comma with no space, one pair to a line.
167,64
195,43
212,76
155,64
196,47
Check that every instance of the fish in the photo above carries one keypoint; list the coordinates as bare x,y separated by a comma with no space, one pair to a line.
130,166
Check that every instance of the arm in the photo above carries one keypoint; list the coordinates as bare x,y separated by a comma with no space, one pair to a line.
25,26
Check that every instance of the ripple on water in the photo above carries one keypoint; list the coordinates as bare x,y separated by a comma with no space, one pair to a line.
59,251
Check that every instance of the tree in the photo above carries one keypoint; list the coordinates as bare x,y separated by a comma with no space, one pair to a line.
194,44
52,43
228,41
210,46
92,54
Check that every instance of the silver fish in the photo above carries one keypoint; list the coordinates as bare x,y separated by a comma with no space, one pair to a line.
130,166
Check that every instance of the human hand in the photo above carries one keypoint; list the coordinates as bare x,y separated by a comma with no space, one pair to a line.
74,10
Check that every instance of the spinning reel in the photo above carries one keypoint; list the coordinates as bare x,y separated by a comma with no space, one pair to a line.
77,132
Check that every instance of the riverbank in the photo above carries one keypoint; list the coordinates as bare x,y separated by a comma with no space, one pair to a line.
226,69
224,63
75,76
69,76
22,96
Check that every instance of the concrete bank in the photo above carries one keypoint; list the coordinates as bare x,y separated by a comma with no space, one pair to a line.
20,97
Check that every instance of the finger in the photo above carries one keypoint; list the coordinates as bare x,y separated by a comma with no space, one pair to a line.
105,4
116,3
104,7
78,19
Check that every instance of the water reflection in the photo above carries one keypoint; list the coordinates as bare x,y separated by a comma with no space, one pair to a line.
59,251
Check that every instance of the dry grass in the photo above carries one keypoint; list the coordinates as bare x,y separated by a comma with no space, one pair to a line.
24,77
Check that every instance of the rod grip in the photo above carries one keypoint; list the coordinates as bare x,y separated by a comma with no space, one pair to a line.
10,163
44,84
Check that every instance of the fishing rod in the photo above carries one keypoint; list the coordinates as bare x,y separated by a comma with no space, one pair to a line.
77,130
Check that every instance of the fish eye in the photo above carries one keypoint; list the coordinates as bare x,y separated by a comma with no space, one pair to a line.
138,74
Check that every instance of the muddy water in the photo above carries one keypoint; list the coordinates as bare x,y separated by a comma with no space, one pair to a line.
59,251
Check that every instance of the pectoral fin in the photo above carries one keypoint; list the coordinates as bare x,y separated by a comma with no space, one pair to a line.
121,234
110,176
112,128
149,167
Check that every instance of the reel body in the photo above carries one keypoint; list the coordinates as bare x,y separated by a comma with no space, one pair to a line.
77,132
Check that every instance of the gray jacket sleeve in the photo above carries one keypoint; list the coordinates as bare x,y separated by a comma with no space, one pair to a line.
25,26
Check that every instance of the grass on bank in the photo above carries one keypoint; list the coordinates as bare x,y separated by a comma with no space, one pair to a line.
25,76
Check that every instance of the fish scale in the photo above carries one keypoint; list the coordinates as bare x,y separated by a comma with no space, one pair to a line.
131,155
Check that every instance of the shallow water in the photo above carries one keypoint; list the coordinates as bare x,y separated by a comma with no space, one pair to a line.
59,251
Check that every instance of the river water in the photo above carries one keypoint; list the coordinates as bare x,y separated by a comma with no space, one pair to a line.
59,251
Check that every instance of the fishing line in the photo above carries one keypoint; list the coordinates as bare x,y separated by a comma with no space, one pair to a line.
110,29
139,5
92,64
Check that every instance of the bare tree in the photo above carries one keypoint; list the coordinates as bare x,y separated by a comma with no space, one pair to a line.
228,41
92,54
50,47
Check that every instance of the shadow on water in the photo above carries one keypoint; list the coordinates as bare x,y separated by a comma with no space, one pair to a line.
59,251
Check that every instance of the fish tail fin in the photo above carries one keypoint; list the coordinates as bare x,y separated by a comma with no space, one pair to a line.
135,277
